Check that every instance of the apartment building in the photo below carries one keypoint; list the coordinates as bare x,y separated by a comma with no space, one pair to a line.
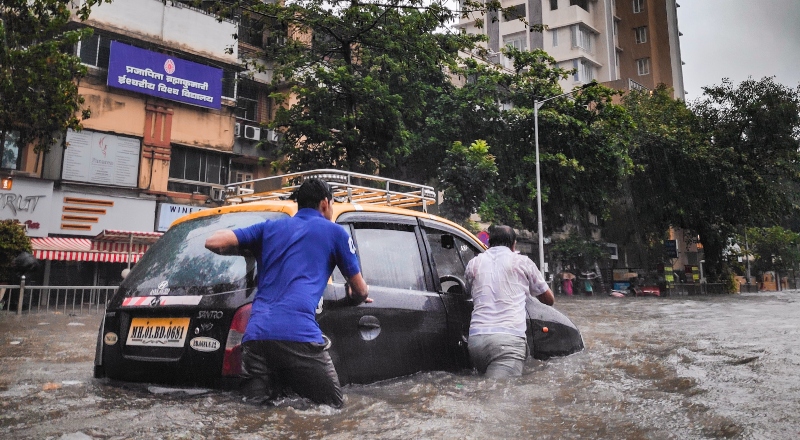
174,118
625,44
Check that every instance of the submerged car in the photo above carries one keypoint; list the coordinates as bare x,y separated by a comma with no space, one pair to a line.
180,315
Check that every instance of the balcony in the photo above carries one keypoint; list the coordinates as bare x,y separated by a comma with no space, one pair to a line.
167,23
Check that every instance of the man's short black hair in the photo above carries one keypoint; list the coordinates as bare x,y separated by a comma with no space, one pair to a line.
311,192
502,235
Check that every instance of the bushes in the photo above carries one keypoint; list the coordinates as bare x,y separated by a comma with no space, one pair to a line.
13,241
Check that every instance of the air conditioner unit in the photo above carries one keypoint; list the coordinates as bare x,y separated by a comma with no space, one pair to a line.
218,194
243,191
272,136
237,130
252,133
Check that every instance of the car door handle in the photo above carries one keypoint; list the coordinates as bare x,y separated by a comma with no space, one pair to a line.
369,325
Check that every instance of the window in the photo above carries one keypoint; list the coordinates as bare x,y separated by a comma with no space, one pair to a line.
243,176
641,34
247,101
450,253
228,84
194,165
584,70
181,259
582,37
517,42
10,149
583,4
638,6
390,256
555,37
514,13
553,5
95,50
643,66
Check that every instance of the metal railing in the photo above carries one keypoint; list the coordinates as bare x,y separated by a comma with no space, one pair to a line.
21,299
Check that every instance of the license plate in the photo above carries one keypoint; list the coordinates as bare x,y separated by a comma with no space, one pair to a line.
158,332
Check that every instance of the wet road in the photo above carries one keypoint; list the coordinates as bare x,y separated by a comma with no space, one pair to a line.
653,368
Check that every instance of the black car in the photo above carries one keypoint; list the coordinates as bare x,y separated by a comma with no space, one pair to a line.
180,315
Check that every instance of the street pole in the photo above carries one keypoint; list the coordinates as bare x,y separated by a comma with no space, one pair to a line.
536,106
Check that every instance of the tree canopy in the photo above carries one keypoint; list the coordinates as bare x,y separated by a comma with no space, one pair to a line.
727,161
38,72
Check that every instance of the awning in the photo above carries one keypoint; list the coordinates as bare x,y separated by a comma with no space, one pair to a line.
109,246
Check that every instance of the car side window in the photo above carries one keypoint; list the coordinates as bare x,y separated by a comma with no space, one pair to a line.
445,253
467,251
390,256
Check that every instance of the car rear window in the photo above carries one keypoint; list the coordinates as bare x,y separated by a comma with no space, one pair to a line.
180,259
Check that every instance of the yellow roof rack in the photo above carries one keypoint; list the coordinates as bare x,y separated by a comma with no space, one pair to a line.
347,187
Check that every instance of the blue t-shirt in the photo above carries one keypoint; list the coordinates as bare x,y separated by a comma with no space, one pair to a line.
296,258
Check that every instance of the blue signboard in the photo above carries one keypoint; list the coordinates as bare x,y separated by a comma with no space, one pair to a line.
165,76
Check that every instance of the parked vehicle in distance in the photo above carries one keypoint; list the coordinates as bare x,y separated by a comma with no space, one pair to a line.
180,315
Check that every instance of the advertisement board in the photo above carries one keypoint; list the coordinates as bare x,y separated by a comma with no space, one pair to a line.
101,158
169,212
28,201
164,76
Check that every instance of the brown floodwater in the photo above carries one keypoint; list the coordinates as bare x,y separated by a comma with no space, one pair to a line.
654,368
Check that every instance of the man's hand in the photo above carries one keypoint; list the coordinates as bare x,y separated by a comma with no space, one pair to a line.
357,290
223,242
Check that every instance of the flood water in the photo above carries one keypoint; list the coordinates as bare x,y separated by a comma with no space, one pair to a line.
654,368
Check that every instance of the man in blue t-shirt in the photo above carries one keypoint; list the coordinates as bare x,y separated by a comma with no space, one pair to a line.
282,344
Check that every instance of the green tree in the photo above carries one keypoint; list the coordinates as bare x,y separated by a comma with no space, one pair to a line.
774,249
583,151
363,76
38,73
727,161
13,241
753,132
578,252
466,176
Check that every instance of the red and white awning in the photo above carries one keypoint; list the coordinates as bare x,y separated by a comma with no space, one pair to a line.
108,247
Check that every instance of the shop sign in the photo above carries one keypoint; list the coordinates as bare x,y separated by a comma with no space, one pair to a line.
168,213
88,214
164,76
6,183
104,159
28,203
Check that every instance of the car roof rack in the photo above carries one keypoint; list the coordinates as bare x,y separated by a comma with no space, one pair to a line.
347,187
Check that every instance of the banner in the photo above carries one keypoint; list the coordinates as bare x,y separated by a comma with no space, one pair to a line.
164,76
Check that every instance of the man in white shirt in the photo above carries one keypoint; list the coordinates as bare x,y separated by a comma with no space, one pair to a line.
500,281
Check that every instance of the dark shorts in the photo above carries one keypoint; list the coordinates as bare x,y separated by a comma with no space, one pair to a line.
270,368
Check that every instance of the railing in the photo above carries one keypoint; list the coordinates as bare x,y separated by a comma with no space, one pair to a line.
21,299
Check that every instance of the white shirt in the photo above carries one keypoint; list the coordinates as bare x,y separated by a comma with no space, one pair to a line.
499,281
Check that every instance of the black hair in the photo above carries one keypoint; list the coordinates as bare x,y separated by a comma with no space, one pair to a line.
502,235
311,192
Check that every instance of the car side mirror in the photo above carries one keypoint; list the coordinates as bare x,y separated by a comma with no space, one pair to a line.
448,242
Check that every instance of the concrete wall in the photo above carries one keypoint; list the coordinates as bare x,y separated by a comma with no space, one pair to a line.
170,24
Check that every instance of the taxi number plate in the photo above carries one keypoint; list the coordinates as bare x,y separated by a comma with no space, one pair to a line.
158,332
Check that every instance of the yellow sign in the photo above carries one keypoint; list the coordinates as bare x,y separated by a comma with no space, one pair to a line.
6,183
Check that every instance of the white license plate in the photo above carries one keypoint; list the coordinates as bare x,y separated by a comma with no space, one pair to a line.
158,332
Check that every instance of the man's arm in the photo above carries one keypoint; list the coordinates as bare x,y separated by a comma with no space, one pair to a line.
547,297
357,289
223,242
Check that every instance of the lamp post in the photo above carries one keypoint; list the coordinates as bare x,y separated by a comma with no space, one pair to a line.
536,106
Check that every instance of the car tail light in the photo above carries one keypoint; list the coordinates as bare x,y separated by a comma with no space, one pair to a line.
232,363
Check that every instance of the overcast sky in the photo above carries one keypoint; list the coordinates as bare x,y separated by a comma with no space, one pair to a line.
738,38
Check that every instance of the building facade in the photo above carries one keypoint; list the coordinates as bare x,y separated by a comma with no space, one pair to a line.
625,44
174,118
